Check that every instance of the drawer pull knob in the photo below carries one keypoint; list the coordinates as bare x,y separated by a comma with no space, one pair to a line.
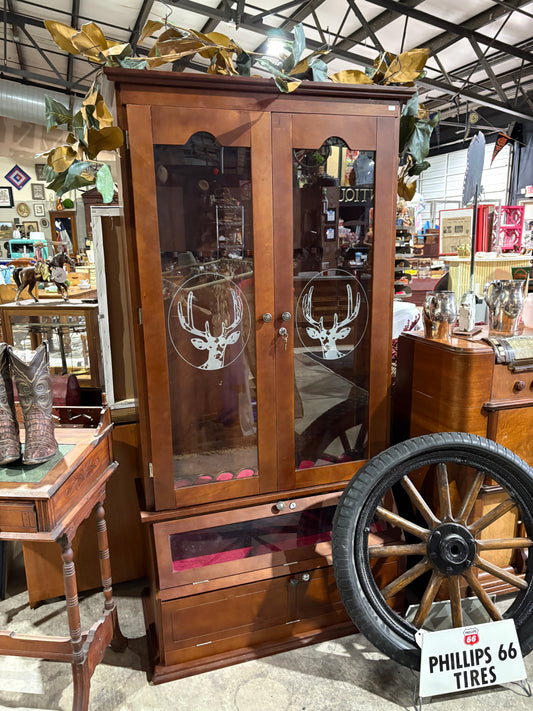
519,385
279,505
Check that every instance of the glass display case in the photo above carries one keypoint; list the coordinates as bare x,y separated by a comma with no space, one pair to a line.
264,365
71,331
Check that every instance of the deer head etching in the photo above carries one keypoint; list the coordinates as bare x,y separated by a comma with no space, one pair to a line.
205,341
328,337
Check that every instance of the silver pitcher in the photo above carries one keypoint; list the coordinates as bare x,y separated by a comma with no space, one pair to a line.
440,314
505,300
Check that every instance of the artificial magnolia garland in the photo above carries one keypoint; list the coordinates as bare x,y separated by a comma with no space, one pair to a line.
75,164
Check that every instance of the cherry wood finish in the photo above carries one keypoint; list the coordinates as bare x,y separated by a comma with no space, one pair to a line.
51,510
42,561
273,604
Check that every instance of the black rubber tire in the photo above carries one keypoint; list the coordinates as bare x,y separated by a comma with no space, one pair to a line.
386,629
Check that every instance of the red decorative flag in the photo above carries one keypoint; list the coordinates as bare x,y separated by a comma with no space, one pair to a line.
502,140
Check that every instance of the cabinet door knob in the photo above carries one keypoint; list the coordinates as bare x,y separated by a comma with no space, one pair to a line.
267,318
519,385
286,316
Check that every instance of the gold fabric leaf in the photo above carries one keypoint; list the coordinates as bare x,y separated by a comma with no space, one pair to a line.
61,158
351,76
149,29
91,42
300,68
406,67
106,139
217,38
62,35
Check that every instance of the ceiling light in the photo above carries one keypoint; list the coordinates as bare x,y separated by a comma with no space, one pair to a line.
277,45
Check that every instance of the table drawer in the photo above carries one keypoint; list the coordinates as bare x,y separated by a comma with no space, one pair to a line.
18,517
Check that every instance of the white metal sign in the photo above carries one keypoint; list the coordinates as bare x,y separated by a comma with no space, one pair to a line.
467,658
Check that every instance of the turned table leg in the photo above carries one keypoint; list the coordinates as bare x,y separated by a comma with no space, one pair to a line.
80,671
119,642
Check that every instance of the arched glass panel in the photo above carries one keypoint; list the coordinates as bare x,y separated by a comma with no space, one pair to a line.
333,198
204,204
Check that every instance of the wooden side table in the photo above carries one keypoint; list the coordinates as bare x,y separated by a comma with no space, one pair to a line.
48,503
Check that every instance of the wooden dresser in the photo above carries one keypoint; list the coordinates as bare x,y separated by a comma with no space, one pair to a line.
464,385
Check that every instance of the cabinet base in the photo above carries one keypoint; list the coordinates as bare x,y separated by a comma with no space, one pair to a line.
162,674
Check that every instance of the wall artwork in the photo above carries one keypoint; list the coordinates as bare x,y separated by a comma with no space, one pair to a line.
6,197
17,177
30,227
6,230
38,209
37,191
39,171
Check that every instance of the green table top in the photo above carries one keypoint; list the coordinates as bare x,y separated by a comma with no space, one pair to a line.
18,472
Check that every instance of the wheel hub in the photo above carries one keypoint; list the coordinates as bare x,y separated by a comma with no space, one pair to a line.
452,548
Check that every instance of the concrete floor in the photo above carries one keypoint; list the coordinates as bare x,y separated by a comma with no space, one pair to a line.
341,675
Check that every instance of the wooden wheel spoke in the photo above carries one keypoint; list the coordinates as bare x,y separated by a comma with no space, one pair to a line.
385,551
500,573
418,501
402,523
428,598
470,498
491,516
455,600
498,544
482,596
444,492
403,580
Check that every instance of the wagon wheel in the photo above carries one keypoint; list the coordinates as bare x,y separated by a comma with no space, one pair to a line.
427,490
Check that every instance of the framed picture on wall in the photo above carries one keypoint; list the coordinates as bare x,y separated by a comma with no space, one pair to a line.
37,191
455,229
330,216
39,171
38,209
30,227
6,197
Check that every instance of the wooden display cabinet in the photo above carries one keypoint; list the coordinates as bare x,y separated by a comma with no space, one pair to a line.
263,376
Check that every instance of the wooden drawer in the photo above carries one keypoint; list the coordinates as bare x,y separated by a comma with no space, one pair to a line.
507,385
262,613
17,516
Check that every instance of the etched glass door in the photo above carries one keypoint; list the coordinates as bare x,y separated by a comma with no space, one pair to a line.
333,305
333,198
205,220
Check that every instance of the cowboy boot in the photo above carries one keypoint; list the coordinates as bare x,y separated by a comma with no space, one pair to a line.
9,429
34,388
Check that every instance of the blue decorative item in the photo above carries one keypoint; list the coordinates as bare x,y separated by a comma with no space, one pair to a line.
17,177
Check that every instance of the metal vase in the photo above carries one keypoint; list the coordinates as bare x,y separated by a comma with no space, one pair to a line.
505,299
440,314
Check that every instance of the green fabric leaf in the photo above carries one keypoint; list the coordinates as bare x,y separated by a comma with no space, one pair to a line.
74,178
418,143
267,64
244,64
132,62
79,128
319,69
104,184
418,168
411,106
299,42
56,114
49,173
57,184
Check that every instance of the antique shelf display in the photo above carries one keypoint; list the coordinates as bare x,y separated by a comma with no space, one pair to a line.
71,330
263,360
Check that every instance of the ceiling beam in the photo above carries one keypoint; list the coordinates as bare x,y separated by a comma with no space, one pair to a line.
488,69
454,29
140,22
366,26
74,19
16,38
376,24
